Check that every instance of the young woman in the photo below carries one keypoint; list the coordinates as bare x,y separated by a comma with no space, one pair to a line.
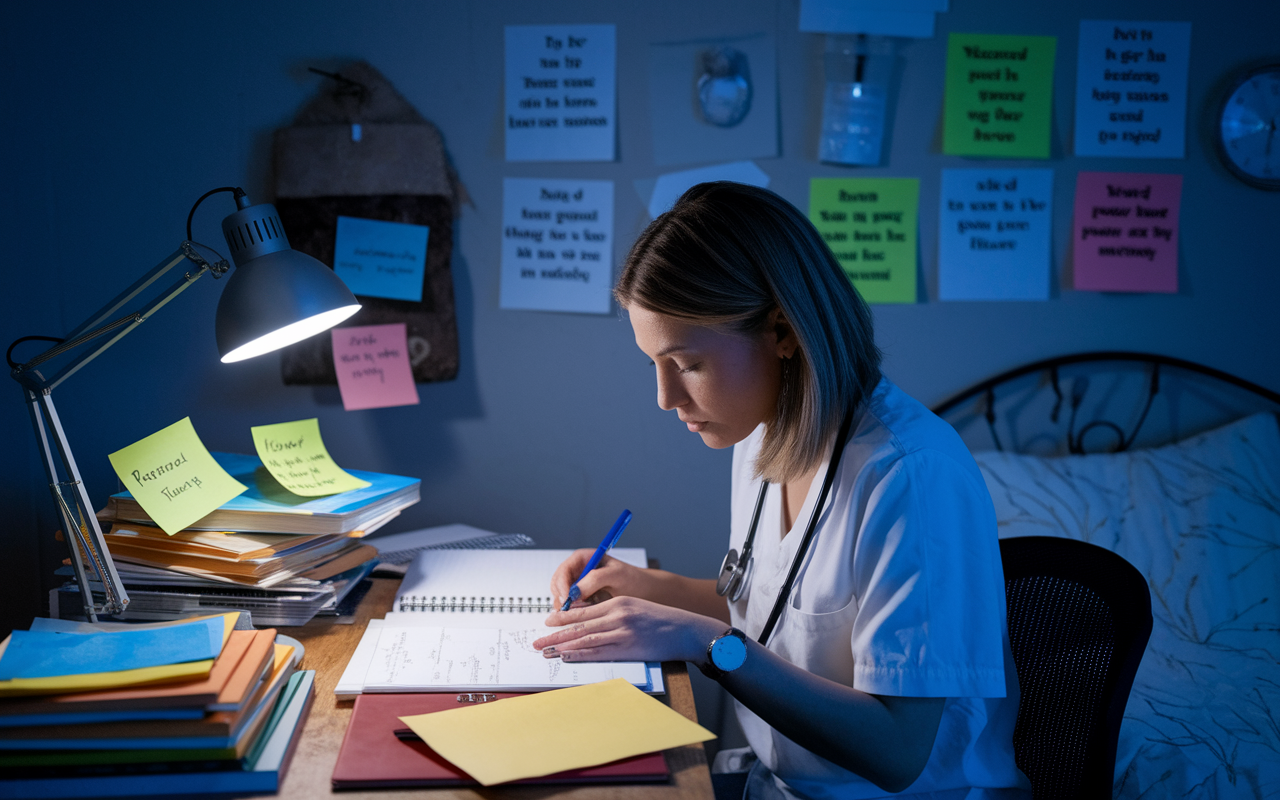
863,635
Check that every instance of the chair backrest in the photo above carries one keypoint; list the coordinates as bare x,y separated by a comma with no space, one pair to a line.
1079,620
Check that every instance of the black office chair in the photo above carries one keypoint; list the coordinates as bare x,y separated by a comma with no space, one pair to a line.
1079,620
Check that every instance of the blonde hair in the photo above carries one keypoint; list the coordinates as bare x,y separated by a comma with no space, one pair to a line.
726,255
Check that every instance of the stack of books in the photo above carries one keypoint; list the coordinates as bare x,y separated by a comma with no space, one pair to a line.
281,556
228,722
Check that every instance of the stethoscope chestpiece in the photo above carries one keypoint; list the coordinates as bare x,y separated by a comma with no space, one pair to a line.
734,577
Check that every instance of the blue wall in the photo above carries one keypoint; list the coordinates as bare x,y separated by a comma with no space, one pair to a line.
117,116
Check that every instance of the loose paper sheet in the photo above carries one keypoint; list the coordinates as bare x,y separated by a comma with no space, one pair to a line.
172,476
1131,89
681,135
1126,232
557,245
870,226
999,95
295,455
875,17
994,237
669,187
549,732
49,654
381,259
372,362
560,102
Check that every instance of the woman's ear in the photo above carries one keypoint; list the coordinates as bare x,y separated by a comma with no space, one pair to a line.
783,335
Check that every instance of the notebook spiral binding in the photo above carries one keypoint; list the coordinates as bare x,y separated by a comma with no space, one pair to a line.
494,604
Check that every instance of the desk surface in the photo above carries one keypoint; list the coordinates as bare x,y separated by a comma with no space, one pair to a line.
328,648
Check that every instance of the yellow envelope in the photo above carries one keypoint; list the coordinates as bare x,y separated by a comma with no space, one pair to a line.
172,476
296,457
540,734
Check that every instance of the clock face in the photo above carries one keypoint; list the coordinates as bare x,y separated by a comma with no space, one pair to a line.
1249,128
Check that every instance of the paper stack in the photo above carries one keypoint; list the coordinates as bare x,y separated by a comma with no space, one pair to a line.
183,701
282,556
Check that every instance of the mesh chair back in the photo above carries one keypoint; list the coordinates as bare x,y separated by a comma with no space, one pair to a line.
1079,620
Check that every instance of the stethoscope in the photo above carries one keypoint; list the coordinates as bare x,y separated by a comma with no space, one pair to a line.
735,570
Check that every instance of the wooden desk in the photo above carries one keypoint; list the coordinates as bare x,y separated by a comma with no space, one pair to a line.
328,648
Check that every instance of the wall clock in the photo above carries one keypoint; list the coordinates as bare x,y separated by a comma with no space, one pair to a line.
1248,128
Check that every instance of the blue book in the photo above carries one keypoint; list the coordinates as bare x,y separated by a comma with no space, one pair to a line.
260,771
267,507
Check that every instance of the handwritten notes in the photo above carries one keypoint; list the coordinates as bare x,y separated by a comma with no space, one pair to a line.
381,259
525,737
870,226
1131,89
557,245
173,477
560,92
295,455
372,362
994,237
999,95
1126,232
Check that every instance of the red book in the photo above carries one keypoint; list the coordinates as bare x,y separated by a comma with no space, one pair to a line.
372,756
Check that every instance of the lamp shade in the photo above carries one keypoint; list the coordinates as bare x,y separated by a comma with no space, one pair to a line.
276,295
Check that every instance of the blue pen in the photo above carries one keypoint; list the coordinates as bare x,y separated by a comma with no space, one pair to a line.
610,539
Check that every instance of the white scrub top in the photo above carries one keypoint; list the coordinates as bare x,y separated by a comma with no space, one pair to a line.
901,593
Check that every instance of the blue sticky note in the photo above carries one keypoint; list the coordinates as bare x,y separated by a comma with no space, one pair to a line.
49,654
381,259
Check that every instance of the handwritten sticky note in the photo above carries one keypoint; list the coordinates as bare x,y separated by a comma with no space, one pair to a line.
295,455
526,736
1126,232
172,476
372,363
999,95
993,238
49,654
1131,89
870,226
560,92
557,245
381,259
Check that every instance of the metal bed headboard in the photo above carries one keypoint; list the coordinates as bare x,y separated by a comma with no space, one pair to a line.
1026,404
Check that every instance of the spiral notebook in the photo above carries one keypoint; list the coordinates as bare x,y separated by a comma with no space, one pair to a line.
464,620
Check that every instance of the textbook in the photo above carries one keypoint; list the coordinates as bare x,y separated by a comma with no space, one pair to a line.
267,507
465,620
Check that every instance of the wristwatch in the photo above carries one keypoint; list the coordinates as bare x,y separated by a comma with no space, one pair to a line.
727,652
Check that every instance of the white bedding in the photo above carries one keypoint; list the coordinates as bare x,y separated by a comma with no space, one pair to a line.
1201,520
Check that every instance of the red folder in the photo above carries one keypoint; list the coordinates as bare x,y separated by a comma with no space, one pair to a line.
372,756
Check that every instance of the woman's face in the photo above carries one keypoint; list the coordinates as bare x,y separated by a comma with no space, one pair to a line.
721,384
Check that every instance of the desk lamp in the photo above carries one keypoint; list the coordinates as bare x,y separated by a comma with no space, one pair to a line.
275,297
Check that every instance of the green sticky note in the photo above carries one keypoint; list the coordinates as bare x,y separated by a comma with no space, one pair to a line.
295,455
999,95
870,226
173,477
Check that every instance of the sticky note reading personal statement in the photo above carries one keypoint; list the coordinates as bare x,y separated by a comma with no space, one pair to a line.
870,226
172,476
999,95
295,455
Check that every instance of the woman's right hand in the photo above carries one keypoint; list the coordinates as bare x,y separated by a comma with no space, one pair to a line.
610,578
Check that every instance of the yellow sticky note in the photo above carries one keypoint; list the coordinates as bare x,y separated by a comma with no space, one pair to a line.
172,476
296,457
549,732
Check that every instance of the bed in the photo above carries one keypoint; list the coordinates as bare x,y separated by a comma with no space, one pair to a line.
1176,467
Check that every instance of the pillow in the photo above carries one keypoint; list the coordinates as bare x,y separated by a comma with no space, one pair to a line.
1201,520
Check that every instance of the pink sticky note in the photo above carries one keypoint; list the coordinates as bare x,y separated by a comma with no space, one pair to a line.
373,368
1126,232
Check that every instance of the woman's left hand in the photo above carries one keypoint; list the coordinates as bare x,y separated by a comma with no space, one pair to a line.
628,629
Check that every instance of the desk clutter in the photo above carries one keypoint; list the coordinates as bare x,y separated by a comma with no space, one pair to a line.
449,690
207,701
284,557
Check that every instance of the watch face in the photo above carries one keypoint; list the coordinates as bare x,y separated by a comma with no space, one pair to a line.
1248,124
728,653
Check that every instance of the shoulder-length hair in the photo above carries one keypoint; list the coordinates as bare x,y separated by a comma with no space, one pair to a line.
728,254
